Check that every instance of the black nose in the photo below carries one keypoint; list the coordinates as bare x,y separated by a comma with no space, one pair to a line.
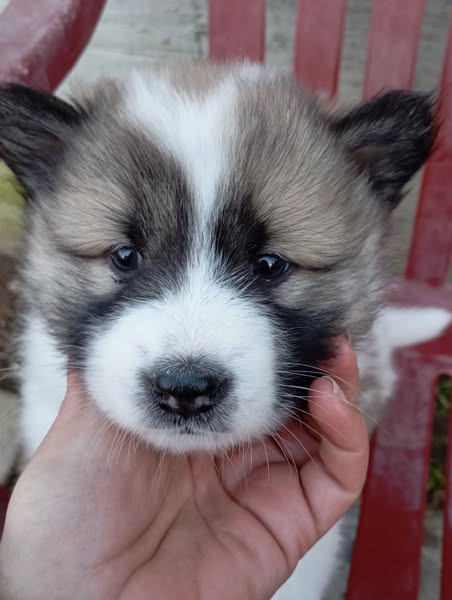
188,391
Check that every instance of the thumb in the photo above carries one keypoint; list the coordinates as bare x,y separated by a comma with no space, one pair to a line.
75,399
78,418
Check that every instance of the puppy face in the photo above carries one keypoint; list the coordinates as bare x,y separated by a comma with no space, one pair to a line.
198,237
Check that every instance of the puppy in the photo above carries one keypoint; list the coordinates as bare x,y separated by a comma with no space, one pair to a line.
198,236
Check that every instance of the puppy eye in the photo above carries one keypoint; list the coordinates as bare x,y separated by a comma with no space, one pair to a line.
125,258
269,267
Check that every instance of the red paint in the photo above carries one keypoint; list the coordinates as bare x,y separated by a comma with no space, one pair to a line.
237,30
446,572
387,554
394,32
431,245
318,44
41,41
4,498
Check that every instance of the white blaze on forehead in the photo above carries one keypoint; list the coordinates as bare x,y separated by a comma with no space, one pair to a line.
197,130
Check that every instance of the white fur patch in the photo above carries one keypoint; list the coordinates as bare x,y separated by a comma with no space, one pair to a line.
394,328
43,383
196,130
400,327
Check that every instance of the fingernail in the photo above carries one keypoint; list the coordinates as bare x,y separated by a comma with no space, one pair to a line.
334,387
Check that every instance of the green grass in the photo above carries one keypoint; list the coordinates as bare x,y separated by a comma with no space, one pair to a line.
437,478
11,209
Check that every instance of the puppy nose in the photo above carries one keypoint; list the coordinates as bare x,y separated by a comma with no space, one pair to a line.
187,392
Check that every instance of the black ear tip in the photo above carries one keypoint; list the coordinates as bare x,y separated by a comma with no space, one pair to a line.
424,118
419,108
11,93
407,108
35,130
20,99
415,105
20,93
12,87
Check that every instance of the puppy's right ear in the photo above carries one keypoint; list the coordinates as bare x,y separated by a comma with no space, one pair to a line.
35,128
389,138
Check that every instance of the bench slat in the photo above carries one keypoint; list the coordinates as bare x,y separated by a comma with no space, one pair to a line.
4,499
446,571
318,44
387,553
431,243
41,41
394,33
237,30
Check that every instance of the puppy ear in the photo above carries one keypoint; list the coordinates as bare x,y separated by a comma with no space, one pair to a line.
390,138
35,128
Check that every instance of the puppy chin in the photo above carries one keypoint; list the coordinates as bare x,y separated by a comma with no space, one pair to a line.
183,443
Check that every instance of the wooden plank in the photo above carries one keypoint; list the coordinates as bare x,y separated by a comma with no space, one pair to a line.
318,44
446,571
387,553
395,28
431,244
41,41
237,30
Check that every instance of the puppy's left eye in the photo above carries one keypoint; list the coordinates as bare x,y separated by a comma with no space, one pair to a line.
269,267
125,258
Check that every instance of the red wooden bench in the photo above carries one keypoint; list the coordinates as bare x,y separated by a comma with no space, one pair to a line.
40,41
387,553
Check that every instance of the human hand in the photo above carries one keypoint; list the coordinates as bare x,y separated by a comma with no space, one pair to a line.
97,515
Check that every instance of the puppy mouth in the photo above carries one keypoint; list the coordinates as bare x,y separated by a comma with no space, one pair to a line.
192,426
190,436
188,430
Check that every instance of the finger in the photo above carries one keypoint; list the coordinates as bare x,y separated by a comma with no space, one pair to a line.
344,369
336,480
77,410
343,385
298,442
78,421
301,441
75,398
